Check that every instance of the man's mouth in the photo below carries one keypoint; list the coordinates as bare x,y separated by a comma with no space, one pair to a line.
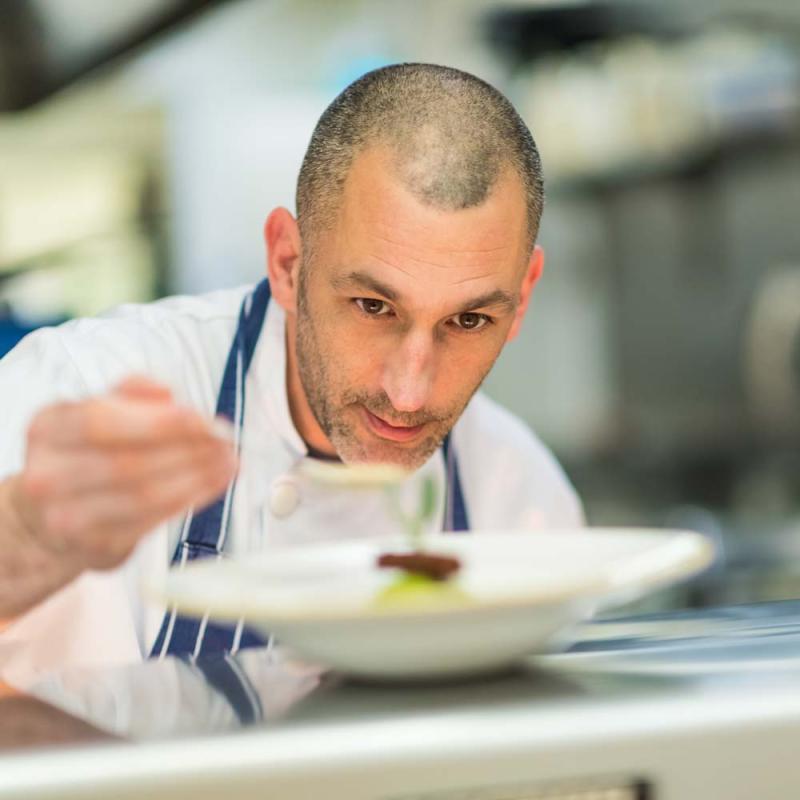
394,433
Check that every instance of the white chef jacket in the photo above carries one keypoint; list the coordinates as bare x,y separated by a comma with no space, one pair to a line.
509,479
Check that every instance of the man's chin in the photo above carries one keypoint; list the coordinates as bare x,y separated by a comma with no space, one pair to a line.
376,452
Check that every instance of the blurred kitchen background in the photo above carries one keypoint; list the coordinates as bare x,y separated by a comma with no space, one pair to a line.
143,143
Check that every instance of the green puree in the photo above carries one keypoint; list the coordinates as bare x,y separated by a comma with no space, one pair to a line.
415,591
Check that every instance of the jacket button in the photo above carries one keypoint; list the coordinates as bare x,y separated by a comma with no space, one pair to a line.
284,497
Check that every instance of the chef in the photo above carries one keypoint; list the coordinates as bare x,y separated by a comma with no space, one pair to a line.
410,262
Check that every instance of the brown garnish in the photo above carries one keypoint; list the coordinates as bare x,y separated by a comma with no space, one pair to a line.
434,566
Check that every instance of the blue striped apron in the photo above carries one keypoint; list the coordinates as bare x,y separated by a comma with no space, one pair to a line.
203,534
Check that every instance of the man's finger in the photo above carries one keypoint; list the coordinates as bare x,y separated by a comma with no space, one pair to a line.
89,523
61,473
142,388
115,420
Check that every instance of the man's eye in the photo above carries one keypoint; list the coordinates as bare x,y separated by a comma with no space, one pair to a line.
471,321
373,307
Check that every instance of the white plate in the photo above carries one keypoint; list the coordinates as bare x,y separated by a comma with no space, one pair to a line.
519,589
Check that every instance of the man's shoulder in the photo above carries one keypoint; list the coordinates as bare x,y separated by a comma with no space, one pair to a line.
169,339
222,305
169,317
502,457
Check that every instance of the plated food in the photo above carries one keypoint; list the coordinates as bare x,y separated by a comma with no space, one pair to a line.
422,576
517,593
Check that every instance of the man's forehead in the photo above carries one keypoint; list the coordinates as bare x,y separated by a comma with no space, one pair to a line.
380,218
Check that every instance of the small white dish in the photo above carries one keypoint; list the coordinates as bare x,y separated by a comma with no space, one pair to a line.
354,476
517,590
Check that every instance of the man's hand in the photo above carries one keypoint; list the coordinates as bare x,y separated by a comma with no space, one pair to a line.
101,473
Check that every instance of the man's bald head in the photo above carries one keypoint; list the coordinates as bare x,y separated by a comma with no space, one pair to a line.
451,136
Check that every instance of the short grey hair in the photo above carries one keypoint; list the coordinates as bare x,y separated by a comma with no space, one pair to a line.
451,136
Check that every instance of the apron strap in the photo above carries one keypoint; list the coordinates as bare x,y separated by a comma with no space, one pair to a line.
207,530
456,518
225,675
203,534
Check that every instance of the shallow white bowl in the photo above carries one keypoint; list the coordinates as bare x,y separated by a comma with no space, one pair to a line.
520,589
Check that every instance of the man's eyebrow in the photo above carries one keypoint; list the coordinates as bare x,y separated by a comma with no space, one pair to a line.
498,297
363,280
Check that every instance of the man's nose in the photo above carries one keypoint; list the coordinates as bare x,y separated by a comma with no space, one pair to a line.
409,371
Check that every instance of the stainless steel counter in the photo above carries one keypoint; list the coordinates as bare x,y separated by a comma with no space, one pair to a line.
703,704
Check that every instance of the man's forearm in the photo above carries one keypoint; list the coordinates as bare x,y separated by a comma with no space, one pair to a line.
29,572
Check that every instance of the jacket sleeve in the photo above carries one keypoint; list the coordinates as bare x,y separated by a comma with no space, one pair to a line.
37,372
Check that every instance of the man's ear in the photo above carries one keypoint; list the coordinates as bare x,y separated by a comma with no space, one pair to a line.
532,274
284,250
